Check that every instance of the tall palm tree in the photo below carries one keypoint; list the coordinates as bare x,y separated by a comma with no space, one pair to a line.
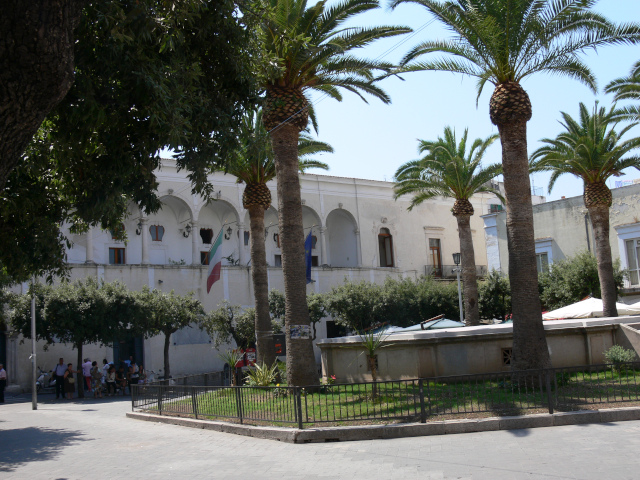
447,170
309,49
592,150
627,88
503,42
254,166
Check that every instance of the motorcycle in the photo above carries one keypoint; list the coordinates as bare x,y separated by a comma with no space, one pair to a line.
46,382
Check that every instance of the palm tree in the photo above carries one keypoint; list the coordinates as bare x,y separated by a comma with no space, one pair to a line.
592,150
503,42
254,166
627,88
447,170
308,48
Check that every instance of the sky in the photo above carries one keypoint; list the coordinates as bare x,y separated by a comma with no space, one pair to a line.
372,140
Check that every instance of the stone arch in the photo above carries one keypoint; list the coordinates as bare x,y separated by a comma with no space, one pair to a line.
212,217
342,240
311,221
165,230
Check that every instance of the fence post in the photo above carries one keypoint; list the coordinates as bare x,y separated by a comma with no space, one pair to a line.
134,396
194,402
239,402
547,381
423,414
298,407
160,389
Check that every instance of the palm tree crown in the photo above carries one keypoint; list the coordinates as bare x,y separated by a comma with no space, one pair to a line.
589,148
506,41
447,170
254,161
627,88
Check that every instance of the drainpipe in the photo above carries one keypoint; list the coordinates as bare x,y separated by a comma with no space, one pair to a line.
586,230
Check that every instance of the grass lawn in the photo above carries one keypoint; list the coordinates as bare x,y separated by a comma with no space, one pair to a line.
454,397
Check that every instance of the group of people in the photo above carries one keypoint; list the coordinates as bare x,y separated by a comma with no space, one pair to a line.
98,380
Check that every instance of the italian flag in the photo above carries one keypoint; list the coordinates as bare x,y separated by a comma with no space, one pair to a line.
215,261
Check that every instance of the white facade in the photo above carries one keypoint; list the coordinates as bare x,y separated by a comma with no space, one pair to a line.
357,224
562,228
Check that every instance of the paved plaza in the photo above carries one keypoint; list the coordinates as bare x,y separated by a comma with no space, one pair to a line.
92,439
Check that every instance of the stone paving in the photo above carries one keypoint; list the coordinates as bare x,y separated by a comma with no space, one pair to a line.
93,439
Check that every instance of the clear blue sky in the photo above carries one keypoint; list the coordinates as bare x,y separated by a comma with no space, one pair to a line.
372,140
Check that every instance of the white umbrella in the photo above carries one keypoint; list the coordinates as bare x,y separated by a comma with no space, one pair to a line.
589,308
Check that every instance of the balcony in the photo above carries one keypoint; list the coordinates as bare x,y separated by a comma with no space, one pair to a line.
448,271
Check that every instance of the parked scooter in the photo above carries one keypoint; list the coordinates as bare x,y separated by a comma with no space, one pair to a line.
46,382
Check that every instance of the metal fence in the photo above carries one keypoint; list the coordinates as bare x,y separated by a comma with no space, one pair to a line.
449,271
199,379
499,394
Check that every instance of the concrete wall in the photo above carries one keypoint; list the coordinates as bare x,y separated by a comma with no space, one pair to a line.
469,350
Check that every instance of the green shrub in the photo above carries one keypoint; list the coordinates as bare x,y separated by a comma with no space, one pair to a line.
618,355
262,375
494,296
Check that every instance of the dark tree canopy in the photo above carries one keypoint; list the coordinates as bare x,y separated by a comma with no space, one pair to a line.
149,75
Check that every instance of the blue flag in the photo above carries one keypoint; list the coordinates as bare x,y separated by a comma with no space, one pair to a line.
308,245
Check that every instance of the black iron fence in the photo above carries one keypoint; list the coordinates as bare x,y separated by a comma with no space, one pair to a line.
498,394
199,379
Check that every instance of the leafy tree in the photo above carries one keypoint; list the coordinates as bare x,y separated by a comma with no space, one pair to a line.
590,149
447,170
494,296
254,165
627,88
147,77
436,298
231,322
83,312
166,313
315,301
504,42
355,305
571,280
307,48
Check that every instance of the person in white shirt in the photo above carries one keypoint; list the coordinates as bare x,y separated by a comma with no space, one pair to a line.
105,370
86,371
58,373
3,382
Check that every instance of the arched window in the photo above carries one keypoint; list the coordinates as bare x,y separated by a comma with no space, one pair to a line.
118,232
385,247
157,232
206,234
314,241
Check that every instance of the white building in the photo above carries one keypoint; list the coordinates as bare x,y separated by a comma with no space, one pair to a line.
361,233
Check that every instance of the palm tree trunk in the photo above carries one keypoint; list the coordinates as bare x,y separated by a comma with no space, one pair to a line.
530,349
301,364
264,334
600,221
468,261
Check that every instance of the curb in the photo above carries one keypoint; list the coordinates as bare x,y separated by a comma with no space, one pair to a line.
399,430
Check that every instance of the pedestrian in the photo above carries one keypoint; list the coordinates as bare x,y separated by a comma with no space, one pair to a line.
58,373
121,379
70,381
111,381
86,371
96,380
134,375
142,375
105,370
3,382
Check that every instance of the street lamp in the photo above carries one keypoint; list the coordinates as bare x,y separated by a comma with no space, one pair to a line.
456,260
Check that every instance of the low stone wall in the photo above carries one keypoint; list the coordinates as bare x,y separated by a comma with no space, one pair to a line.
473,350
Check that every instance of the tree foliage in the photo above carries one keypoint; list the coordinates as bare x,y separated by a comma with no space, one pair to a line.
494,295
149,75
231,322
277,305
571,280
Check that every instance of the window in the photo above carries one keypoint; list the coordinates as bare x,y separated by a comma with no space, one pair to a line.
542,262
436,256
116,256
276,238
118,232
314,241
506,356
247,237
206,234
495,208
314,260
632,248
204,258
278,260
157,232
385,247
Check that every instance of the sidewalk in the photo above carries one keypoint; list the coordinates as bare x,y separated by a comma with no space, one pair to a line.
93,439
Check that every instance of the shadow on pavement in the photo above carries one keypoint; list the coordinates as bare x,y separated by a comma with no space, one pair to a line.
24,445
